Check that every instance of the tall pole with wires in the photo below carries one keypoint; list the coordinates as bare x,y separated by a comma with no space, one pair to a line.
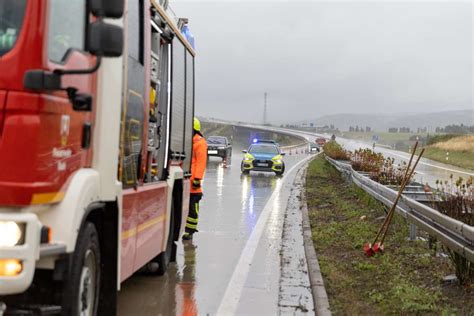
264,108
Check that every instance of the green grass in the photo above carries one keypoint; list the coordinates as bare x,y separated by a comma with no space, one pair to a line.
456,158
406,279
440,138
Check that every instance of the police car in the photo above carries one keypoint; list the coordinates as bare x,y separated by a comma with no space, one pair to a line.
263,155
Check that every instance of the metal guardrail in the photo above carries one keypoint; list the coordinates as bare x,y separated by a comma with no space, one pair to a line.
290,147
455,234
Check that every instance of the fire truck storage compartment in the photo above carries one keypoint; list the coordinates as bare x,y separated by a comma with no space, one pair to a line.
134,110
188,143
159,78
178,99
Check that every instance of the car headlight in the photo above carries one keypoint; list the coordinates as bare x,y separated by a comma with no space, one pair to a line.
277,161
11,234
248,158
221,147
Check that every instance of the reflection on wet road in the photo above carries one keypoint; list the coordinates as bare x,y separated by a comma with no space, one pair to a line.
196,284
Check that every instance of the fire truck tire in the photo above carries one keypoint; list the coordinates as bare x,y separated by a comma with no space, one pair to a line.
81,290
165,257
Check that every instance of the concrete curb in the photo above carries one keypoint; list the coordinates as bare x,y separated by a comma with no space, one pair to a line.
320,297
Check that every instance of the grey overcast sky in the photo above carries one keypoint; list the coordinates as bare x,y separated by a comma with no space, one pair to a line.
327,57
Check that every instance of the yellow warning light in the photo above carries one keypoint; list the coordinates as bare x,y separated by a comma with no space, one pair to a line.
10,267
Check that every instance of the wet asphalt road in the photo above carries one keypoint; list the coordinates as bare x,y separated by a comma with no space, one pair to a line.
198,282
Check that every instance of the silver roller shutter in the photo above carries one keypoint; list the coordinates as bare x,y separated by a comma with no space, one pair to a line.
188,143
178,97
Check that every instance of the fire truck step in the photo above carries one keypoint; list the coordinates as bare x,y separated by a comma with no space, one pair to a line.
33,310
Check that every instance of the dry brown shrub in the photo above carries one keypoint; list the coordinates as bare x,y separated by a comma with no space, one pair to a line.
461,143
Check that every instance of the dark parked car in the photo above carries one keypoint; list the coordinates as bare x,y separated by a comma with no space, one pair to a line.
219,146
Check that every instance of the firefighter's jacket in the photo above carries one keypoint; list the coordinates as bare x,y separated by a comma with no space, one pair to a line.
198,164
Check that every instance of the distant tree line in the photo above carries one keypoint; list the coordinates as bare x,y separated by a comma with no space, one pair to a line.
455,129
399,130
449,129
361,129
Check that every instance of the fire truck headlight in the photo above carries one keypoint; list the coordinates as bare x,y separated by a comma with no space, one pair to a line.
11,234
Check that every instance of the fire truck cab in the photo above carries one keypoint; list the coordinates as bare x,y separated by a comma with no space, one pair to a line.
96,115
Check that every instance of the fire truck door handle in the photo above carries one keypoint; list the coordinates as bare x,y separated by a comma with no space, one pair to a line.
158,129
160,120
86,135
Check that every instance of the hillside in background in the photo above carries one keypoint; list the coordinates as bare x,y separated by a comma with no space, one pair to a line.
381,122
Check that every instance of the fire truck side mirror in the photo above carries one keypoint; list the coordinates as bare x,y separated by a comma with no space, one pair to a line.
107,8
105,40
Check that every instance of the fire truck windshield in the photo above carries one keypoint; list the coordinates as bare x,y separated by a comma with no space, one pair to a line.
11,18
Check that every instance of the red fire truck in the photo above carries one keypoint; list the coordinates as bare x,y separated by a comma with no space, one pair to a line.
96,112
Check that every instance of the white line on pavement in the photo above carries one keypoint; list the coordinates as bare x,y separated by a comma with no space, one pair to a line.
431,165
232,295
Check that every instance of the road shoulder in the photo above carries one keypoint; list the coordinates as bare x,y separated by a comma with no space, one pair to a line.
301,283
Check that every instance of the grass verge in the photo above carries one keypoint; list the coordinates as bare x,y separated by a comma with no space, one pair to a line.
406,279
456,158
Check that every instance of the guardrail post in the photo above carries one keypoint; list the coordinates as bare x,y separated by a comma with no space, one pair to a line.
412,232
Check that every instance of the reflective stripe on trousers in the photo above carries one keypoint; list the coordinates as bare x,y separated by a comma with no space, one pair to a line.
193,217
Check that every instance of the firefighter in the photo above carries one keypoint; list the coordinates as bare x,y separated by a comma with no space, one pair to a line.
198,167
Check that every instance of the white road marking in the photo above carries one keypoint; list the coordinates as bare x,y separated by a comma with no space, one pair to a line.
230,300
431,165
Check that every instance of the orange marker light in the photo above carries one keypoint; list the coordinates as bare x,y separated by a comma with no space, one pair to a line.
10,267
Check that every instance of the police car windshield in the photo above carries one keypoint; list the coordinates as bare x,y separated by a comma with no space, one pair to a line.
216,140
11,19
264,149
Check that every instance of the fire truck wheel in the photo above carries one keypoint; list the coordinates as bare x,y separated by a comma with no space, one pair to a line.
81,291
165,257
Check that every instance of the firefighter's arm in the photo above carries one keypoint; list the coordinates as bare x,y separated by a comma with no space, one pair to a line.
201,161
